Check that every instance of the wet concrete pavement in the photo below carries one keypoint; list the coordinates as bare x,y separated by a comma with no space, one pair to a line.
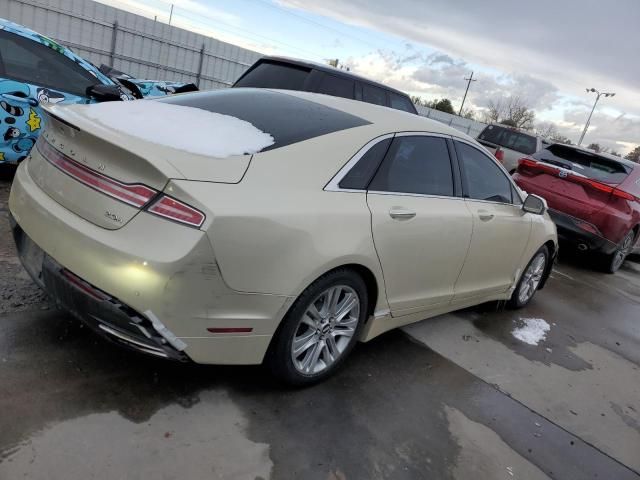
456,397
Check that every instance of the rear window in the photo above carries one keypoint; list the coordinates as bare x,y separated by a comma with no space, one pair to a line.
511,139
274,75
288,118
588,164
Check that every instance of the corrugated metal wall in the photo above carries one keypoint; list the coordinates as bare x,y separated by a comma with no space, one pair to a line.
470,127
132,43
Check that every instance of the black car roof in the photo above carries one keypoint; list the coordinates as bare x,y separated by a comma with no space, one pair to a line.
329,69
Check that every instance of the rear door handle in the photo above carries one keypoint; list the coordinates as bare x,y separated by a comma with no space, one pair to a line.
485,216
400,213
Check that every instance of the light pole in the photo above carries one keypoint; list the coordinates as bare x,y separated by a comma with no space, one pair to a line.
586,125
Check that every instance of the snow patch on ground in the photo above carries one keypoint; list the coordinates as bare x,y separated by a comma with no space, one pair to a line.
184,128
533,331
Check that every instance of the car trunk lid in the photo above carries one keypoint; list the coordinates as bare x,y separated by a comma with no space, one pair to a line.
107,177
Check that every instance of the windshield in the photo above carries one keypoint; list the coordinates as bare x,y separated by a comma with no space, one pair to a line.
511,139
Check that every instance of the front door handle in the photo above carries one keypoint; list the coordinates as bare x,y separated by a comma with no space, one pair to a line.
400,213
485,216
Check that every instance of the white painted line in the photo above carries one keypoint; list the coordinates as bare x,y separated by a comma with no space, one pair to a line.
563,274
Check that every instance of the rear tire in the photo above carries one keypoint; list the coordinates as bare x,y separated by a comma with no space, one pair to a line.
611,263
320,329
530,279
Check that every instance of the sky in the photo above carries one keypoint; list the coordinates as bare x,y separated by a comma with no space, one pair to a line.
546,52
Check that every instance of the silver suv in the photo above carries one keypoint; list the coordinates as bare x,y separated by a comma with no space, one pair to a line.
510,144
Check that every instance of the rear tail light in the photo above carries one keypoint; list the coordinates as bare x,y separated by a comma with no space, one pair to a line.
499,155
135,194
177,211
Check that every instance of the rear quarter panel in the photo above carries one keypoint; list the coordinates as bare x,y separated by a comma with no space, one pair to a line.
278,230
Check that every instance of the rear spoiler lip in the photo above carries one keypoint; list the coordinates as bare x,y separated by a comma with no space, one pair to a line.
49,111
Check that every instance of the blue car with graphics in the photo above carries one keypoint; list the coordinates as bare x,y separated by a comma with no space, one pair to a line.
35,69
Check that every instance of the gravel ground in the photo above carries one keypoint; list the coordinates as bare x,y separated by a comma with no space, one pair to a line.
17,290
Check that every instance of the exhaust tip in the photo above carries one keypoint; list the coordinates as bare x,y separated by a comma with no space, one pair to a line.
583,247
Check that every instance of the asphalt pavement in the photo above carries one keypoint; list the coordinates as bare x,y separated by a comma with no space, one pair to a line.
455,397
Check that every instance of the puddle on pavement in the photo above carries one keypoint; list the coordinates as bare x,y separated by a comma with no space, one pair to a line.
207,440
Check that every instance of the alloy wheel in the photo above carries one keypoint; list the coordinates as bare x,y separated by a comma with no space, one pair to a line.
532,277
621,253
325,329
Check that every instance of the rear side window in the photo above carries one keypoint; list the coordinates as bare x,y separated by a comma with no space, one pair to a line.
28,61
371,94
274,75
588,164
400,102
336,86
511,139
484,179
417,164
360,175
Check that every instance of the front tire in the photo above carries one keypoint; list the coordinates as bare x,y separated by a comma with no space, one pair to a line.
320,329
530,279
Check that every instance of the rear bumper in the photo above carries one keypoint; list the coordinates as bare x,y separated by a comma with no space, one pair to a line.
572,230
104,314
149,269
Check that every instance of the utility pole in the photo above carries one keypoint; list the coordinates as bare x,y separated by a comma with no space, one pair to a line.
469,80
586,125
171,14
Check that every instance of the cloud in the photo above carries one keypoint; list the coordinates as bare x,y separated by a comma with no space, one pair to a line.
572,44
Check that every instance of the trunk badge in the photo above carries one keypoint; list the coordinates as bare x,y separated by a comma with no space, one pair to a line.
563,174
113,216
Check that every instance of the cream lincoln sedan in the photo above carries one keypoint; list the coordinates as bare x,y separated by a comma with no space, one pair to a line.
315,222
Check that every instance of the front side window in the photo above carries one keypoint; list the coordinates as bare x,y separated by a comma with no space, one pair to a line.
375,95
336,86
419,164
28,61
484,179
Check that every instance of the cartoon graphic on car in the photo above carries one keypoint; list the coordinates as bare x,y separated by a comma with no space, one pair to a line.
36,70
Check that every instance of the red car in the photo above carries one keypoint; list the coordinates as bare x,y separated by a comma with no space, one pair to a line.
593,198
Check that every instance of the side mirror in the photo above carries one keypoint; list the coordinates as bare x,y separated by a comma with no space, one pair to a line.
534,204
104,93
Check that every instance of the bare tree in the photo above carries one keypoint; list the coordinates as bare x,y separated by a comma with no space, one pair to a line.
512,109
634,155
546,130
558,138
468,113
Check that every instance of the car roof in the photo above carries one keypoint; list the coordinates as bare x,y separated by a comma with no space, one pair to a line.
515,129
385,119
329,69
